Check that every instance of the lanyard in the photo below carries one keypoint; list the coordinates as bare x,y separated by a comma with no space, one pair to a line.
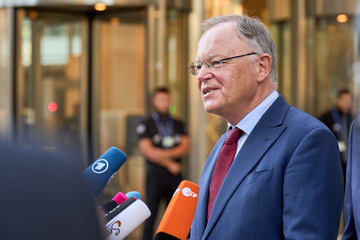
160,126
341,126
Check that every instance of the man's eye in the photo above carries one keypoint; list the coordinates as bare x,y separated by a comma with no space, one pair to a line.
216,64
198,66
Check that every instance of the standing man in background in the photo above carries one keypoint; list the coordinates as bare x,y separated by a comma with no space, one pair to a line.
352,191
163,141
276,173
338,120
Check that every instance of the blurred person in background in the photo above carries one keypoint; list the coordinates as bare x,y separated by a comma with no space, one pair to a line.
338,120
163,141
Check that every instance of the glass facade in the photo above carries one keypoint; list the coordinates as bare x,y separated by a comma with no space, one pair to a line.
5,79
120,44
50,80
334,59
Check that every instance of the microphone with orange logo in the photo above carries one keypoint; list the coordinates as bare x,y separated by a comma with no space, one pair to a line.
179,215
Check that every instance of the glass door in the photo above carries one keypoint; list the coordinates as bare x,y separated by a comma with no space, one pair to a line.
51,98
119,92
335,60
119,42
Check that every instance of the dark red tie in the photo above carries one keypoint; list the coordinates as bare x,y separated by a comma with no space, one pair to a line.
223,163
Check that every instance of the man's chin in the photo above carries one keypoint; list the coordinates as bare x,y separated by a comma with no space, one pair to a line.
210,109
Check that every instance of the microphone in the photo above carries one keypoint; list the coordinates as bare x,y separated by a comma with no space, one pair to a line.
127,220
177,219
133,194
98,174
119,198
118,209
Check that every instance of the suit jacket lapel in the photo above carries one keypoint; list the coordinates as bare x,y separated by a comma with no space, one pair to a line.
200,217
265,133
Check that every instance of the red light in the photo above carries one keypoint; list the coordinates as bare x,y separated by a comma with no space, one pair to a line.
52,107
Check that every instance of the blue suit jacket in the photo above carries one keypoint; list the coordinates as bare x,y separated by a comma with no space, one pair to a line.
285,183
352,192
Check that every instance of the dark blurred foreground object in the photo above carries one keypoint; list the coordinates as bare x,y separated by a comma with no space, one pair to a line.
43,196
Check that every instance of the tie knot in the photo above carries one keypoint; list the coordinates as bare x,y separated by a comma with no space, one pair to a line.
234,135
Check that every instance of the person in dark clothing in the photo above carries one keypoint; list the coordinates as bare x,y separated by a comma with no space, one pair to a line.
338,120
44,196
163,141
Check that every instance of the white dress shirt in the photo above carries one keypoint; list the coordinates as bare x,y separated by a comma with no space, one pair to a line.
248,123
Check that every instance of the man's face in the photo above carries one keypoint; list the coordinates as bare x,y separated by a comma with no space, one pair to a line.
232,88
161,102
344,102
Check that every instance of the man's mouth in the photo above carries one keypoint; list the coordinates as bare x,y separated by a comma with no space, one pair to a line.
208,91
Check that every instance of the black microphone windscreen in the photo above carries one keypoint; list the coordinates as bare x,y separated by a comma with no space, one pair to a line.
113,213
165,236
108,206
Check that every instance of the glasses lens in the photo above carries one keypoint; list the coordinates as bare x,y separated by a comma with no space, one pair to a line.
192,68
216,64
197,67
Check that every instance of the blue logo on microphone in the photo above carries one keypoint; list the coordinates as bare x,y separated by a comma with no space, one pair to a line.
100,166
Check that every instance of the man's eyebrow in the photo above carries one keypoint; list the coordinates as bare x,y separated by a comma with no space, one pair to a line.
211,56
214,55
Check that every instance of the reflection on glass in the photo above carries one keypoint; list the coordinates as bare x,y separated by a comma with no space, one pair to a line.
334,60
282,39
50,74
121,82
175,62
4,78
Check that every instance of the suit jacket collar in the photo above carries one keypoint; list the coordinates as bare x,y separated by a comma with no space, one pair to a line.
265,133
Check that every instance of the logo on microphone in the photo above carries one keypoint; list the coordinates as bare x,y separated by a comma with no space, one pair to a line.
100,166
188,193
176,191
114,227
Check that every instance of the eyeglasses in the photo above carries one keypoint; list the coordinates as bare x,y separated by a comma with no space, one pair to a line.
195,67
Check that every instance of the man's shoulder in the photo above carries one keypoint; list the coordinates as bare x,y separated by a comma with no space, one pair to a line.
148,122
178,121
326,117
302,121
292,117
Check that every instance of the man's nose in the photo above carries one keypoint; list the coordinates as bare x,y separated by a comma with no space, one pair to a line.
204,73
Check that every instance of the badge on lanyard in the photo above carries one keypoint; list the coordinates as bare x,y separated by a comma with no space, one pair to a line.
167,140
342,146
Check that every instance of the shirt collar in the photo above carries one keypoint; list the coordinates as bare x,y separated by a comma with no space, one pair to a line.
248,123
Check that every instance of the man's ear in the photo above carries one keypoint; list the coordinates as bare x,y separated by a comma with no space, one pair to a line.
264,66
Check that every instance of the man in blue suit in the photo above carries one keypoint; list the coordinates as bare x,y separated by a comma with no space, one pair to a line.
352,190
285,179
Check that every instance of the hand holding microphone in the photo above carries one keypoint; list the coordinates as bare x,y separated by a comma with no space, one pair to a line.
179,215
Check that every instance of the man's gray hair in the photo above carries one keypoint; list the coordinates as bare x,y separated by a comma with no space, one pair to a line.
253,32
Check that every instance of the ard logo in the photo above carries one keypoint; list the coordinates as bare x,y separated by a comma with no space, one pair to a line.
100,166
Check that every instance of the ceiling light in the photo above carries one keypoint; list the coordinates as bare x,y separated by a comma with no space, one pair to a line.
100,7
341,18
